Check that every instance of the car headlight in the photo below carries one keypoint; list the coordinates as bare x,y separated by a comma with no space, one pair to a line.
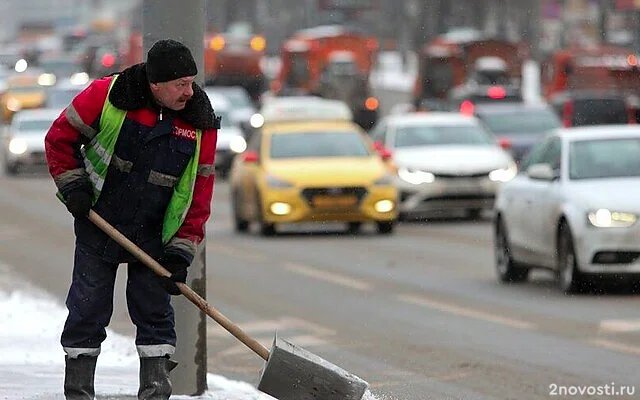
256,120
384,180
46,79
275,182
415,176
604,218
504,174
238,144
14,104
79,78
17,146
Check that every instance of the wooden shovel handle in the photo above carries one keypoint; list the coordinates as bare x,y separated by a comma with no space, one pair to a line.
189,293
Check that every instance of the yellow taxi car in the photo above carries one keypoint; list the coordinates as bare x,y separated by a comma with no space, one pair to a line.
22,92
310,162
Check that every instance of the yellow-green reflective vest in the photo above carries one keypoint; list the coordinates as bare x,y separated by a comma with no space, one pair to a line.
97,156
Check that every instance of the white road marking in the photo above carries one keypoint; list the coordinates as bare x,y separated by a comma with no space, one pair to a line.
465,312
271,326
619,325
235,252
611,345
331,277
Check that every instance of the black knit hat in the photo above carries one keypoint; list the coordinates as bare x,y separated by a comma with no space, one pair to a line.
169,59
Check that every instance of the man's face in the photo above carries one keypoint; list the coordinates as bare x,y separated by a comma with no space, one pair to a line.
174,94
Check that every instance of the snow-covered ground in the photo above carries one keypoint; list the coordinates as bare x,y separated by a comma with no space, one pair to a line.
32,360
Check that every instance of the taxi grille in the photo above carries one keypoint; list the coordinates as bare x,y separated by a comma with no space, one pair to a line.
358,191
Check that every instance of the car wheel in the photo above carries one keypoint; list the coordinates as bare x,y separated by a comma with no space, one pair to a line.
11,169
239,224
475,213
385,228
508,270
266,228
354,227
570,279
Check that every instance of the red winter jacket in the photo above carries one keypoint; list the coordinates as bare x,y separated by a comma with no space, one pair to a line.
147,148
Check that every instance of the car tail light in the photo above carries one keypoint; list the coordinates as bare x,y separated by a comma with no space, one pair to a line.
505,143
496,92
108,60
250,157
631,114
371,103
385,153
567,113
467,108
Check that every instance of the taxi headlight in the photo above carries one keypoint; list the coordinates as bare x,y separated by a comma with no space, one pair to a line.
256,120
504,174
280,208
238,144
274,182
604,218
14,104
383,206
415,177
17,146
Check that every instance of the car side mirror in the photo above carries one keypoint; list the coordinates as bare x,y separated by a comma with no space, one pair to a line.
542,172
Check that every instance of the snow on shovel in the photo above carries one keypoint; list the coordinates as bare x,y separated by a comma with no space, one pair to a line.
290,372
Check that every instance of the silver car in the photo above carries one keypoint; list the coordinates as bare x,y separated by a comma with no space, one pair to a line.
445,162
573,209
24,139
231,138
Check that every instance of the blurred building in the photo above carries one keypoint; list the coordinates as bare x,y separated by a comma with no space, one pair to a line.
20,17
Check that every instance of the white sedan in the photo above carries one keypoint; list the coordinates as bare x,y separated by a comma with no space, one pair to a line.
445,162
24,138
573,208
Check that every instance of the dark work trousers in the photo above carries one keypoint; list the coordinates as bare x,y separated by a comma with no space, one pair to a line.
90,304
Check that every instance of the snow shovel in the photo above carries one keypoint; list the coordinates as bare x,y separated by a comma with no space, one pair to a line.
290,372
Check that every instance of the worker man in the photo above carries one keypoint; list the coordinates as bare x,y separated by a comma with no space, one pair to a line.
138,148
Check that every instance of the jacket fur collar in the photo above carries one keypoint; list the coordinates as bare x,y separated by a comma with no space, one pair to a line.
131,91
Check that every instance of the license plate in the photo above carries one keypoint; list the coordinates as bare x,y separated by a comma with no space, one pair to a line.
334,201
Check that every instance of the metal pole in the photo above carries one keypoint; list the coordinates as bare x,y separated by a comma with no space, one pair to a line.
184,21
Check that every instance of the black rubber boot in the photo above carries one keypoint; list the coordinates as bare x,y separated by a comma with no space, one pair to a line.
78,377
154,378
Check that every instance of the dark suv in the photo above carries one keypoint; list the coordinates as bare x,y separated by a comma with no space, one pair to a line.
593,108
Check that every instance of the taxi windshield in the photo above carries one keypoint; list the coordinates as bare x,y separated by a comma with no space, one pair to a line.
316,144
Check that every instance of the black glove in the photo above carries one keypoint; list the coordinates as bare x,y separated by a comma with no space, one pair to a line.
177,265
79,201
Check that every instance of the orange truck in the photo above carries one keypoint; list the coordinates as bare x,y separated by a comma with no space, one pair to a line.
332,61
608,67
445,64
233,58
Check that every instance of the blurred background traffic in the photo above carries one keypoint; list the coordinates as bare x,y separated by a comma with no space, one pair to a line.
394,178
358,111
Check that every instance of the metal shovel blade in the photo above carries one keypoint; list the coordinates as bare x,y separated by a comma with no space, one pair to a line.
293,373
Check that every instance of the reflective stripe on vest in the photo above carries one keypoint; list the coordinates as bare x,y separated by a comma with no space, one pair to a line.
98,154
